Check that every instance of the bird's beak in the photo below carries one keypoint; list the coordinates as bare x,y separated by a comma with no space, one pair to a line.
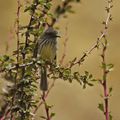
58,36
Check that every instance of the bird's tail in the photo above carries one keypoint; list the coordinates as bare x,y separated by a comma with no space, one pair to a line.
44,82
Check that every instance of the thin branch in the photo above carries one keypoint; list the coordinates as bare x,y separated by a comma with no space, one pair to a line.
104,64
30,22
96,44
46,106
18,42
45,96
18,28
8,112
22,65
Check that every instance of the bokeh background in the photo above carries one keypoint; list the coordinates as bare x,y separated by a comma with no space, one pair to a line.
70,101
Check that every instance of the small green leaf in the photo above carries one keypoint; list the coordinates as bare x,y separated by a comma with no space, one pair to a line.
110,67
90,84
43,117
27,8
94,80
101,107
90,76
52,115
110,89
48,5
110,117
86,73
74,60
101,96
77,0
103,65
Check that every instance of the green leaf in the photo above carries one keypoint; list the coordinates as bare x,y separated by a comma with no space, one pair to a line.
52,115
43,117
49,106
94,80
90,84
77,0
110,117
27,8
101,107
110,67
41,2
110,89
86,73
48,5
103,65
90,76
74,59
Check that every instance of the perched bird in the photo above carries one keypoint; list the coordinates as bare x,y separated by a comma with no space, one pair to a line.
45,49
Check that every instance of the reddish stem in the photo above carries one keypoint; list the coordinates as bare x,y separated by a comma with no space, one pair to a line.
106,100
106,107
46,107
45,96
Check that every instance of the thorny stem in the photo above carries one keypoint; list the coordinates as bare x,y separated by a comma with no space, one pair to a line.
45,96
9,112
27,32
6,114
27,35
17,31
104,64
18,42
106,108
30,23
41,16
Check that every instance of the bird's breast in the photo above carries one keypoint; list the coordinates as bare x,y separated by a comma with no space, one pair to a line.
48,52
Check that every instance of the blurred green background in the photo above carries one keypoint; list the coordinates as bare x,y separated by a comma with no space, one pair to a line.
70,101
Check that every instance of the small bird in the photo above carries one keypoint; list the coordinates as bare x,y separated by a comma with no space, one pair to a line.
45,49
